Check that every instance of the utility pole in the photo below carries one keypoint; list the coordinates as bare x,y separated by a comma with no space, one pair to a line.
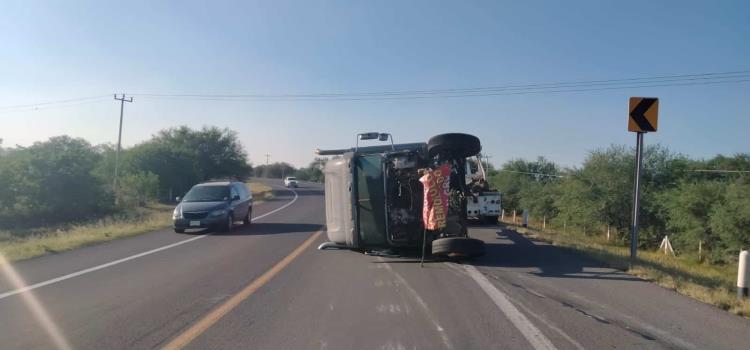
119,140
267,157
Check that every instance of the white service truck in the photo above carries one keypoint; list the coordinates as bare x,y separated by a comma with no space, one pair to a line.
482,203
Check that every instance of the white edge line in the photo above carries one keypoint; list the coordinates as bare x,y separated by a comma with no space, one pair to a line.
132,257
420,301
532,334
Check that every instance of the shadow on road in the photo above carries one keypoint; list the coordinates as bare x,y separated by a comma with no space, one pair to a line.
270,228
260,229
551,261
309,191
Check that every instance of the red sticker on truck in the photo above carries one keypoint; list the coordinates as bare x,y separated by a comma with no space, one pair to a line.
436,183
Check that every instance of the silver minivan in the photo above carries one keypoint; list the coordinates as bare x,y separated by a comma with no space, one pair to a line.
214,205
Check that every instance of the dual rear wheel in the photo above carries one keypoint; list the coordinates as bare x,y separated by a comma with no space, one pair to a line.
456,146
457,248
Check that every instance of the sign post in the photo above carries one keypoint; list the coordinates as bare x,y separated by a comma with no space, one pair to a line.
642,118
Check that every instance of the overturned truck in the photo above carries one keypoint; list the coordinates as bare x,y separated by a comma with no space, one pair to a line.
375,199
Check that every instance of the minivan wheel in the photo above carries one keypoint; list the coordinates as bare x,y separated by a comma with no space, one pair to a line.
247,220
454,144
228,224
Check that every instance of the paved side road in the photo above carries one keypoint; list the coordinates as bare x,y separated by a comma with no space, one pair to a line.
522,295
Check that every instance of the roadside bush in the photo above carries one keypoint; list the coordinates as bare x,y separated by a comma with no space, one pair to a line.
275,170
137,189
50,182
65,179
679,197
730,220
313,172
182,157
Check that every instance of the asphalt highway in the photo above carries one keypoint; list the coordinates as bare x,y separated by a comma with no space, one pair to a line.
267,287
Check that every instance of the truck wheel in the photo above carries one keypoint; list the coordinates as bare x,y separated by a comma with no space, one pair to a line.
458,247
456,144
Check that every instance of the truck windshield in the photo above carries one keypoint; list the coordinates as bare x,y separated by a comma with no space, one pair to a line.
207,194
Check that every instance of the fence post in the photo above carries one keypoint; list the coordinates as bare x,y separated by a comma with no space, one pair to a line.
514,216
544,222
743,275
502,214
608,232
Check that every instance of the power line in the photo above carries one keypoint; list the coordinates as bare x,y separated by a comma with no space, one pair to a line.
712,78
530,173
667,80
43,108
66,101
461,95
719,171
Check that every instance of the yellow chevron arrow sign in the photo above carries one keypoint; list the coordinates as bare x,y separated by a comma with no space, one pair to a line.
644,114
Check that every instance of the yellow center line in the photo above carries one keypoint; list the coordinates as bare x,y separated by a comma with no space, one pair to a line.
216,314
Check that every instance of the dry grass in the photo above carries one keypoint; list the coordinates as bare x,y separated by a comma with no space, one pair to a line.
708,283
40,241
260,191
59,239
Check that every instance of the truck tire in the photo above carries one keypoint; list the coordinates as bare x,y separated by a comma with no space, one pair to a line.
458,247
455,144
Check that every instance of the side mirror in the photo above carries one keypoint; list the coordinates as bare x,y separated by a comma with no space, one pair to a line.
177,199
236,197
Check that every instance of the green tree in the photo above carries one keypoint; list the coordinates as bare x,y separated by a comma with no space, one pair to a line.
731,219
518,174
182,157
137,189
599,195
275,170
539,199
52,181
688,207
313,172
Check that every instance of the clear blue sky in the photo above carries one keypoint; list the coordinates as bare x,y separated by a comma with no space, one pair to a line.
67,49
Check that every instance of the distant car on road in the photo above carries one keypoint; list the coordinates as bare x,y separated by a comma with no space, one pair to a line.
215,205
290,181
